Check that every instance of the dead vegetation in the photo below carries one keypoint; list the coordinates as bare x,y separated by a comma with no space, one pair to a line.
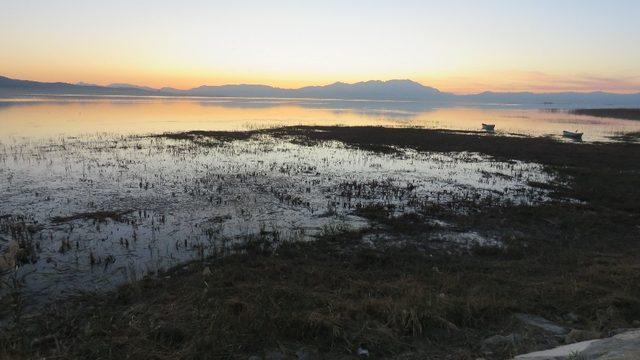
99,216
335,294
599,173
407,301
630,137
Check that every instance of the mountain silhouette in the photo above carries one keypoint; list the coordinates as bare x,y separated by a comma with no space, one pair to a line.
13,87
406,90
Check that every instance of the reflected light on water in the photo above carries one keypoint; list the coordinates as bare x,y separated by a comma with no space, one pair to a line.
45,117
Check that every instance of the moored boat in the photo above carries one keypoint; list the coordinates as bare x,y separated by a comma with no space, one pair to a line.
488,127
572,134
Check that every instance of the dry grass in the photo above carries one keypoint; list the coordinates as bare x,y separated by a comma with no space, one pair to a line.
406,302
335,294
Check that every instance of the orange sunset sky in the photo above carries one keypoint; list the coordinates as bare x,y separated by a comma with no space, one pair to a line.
494,45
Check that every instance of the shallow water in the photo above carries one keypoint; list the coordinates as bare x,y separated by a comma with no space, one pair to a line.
73,116
66,161
179,200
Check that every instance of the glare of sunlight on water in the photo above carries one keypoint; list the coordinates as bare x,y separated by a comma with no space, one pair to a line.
68,116
96,211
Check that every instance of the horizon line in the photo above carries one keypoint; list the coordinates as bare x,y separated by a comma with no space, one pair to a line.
127,85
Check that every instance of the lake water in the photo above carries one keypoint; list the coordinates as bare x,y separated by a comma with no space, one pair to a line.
86,204
73,116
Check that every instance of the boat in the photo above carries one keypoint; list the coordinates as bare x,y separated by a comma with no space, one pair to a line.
488,127
572,134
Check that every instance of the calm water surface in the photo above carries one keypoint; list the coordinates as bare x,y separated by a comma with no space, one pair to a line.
73,116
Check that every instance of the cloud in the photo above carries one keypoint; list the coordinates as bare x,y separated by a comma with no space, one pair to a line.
534,81
540,81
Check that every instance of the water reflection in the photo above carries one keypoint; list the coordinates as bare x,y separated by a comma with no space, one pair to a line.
92,212
72,116
96,210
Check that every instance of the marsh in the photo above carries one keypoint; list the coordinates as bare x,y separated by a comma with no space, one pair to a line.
86,210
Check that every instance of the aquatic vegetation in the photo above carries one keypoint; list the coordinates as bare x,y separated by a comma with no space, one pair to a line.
426,240
94,209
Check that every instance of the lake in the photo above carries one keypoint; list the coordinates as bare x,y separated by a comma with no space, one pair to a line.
73,116
88,202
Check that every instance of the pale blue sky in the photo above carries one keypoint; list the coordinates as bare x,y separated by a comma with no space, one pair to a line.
457,45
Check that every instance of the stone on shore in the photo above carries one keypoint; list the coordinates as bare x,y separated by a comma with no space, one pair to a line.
625,346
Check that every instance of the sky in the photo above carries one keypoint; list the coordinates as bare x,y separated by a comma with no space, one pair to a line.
461,46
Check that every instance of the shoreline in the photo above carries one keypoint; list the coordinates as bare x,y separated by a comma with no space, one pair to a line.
386,288
616,113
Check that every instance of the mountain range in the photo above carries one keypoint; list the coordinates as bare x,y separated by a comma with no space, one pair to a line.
368,90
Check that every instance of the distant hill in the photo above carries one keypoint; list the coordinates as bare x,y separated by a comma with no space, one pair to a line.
375,90
130,86
13,87
368,90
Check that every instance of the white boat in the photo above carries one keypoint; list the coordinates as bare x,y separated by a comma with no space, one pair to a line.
572,134
488,127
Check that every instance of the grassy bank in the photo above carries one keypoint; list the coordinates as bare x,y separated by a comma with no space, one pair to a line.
335,294
619,113
576,263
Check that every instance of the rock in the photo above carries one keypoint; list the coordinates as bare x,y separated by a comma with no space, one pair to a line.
501,342
576,335
362,352
615,332
625,346
254,357
542,323
559,353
